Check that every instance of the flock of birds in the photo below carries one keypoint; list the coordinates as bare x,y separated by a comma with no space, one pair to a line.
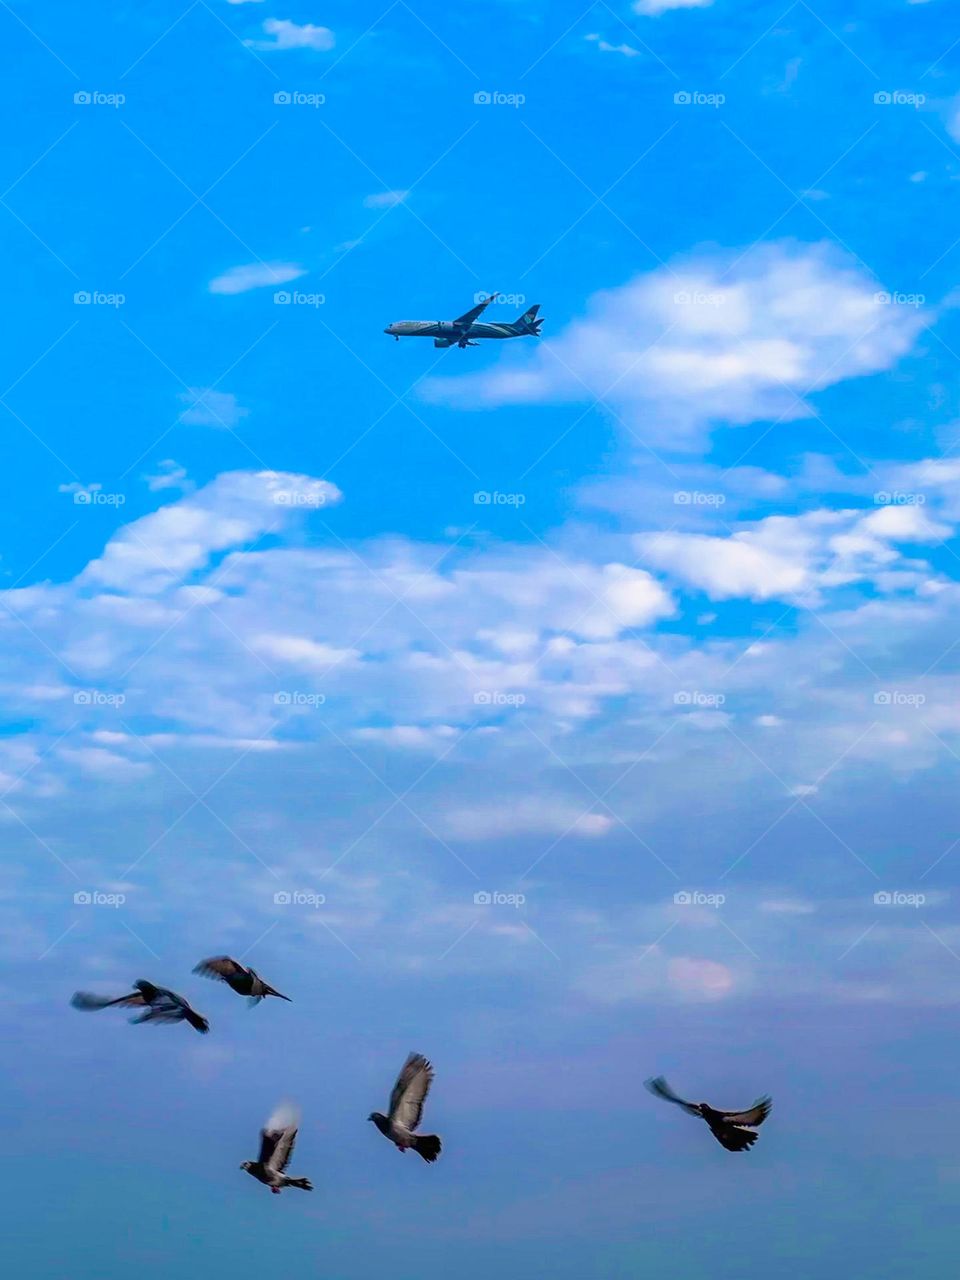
734,1130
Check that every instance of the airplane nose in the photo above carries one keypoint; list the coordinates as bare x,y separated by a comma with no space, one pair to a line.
387,329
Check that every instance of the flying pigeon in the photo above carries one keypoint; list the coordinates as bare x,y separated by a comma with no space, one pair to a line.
246,982
161,1005
276,1147
732,1129
406,1108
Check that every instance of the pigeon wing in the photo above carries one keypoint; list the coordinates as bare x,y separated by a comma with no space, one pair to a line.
278,1138
734,1139
659,1087
222,968
756,1114
412,1087
86,1000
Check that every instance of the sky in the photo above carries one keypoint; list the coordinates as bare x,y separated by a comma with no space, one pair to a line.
570,710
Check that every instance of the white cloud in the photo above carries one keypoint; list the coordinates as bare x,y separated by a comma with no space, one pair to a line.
207,407
792,556
289,35
234,510
169,475
720,338
605,46
385,199
653,8
256,275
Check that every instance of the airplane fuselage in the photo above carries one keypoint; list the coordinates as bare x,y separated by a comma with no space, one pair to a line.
447,329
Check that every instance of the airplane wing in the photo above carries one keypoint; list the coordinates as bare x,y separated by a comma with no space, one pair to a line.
467,319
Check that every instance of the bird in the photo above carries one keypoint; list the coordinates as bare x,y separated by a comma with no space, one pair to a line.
732,1129
277,1141
161,1005
406,1108
246,982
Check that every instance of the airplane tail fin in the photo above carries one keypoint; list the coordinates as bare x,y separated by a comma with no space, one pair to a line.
528,322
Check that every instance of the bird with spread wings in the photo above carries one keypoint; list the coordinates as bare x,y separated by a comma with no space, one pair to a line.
246,982
160,1004
406,1110
277,1140
732,1129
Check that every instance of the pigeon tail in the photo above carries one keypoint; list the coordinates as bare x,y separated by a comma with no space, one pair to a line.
428,1146
303,1183
197,1021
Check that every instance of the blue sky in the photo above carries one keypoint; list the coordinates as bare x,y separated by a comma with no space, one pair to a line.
681,697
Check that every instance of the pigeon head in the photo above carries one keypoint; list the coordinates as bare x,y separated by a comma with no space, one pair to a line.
247,1166
380,1120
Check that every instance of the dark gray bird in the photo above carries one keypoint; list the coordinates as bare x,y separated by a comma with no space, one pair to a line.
246,982
406,1108
161,1005
732,1129
277,1141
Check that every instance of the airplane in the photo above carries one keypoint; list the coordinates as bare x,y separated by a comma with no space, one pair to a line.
463,331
